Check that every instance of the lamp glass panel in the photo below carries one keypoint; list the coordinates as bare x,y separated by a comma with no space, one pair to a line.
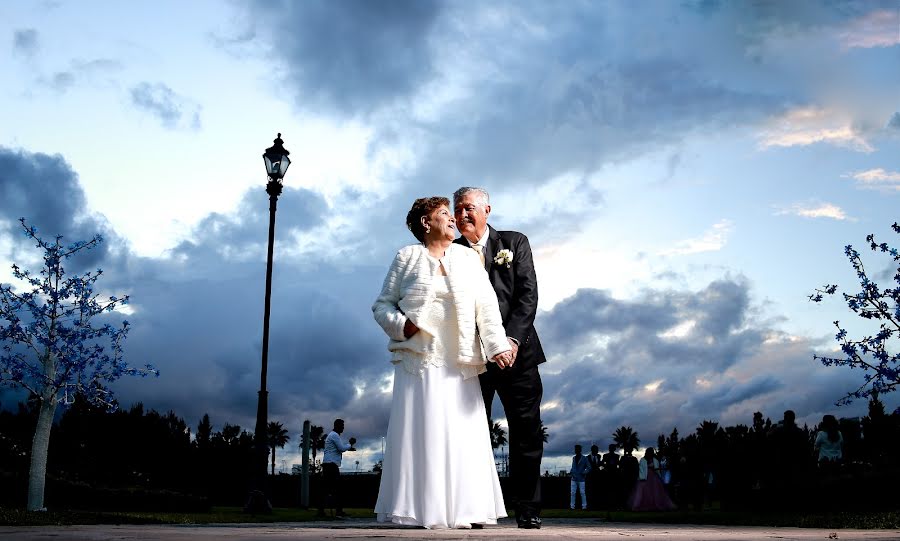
285,162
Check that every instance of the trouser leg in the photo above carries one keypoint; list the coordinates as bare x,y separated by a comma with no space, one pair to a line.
521,393
331,478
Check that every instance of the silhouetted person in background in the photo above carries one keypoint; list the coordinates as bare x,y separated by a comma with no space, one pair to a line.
628,466
595,461
331,468
790,453
648,493
611,479
578,471
694,481
829,445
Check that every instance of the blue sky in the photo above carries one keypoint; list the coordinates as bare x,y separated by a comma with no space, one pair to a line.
687,173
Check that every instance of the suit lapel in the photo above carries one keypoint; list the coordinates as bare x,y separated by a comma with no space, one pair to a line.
491,247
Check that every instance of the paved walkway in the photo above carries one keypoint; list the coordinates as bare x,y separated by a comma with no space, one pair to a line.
554,529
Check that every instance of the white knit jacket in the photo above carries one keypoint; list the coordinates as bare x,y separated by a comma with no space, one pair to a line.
408,290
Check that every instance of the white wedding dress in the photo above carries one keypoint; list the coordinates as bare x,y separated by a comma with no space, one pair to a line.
438,469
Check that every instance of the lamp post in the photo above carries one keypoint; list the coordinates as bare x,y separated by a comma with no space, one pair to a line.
277,162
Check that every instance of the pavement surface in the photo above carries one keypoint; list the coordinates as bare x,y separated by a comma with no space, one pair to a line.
554,529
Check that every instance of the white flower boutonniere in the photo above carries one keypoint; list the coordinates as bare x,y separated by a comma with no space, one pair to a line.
504,257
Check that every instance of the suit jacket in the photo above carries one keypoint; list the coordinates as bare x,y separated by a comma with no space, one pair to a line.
580,468
517,292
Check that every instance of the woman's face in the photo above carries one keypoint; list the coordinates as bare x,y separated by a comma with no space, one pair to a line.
442,225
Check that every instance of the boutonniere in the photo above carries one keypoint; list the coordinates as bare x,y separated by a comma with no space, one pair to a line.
504,257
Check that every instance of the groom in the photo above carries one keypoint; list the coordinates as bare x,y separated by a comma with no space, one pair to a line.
507,260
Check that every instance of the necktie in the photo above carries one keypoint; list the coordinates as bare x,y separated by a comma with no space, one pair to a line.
479,249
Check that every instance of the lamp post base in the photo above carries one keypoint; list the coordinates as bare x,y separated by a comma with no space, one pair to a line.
258,503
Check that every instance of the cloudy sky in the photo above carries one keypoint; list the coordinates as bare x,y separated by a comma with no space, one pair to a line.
687,173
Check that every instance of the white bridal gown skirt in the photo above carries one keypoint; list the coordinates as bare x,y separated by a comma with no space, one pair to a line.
439,469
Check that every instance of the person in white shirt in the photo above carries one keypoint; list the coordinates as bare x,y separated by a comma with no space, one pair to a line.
829,445
331,468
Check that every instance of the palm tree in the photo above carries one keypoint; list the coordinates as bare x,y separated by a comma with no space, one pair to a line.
230,434
498,435
625,436
707,431
278,437
544,435
317,440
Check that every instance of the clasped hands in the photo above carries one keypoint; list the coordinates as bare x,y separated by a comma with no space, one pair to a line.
503,360
507,358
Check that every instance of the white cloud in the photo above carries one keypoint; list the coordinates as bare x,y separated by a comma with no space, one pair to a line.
810,125
876,179
879,28
816,210
679,331
712,240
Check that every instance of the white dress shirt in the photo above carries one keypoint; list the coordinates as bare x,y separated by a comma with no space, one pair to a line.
334,448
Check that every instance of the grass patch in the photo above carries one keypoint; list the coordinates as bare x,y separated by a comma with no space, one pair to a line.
234,515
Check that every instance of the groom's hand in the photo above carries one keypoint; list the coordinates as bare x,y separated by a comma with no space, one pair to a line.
515,350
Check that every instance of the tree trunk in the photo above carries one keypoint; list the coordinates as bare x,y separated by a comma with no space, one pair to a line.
37,474
273,460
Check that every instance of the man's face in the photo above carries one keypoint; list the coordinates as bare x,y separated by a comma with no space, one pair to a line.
471,216
339,427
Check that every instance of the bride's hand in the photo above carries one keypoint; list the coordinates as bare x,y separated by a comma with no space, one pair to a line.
503,360
409,328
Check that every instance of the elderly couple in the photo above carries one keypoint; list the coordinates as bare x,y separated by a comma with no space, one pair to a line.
457,308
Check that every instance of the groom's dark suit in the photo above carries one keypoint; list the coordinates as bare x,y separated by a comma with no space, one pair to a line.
519,387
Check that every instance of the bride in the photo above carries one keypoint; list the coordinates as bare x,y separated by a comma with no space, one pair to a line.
440,312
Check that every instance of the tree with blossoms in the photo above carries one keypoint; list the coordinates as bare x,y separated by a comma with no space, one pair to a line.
871,352
59,341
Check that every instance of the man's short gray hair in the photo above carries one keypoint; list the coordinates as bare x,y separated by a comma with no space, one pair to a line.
481,195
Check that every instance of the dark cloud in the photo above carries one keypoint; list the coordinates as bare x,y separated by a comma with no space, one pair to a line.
721,398
25,42
242,234
566,90
198,318
352,57
525,92
894,122
45,191
172,110
600,109
672,358
796,14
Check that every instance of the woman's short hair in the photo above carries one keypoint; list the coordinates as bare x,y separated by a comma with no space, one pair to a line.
423,206
831,426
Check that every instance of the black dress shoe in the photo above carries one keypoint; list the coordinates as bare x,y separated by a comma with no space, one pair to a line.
529,523
477,526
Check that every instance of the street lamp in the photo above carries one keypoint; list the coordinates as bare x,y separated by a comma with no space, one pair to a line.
277,162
